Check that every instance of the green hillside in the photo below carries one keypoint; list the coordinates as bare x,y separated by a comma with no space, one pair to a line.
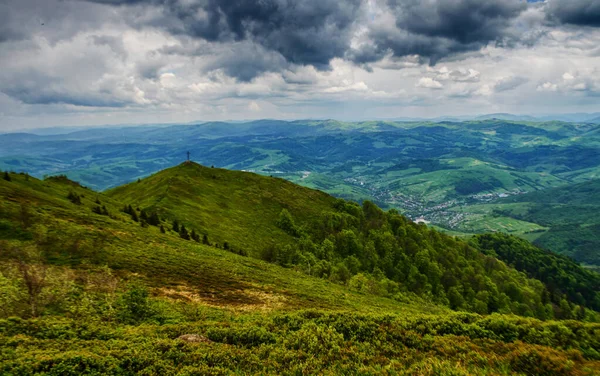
229,206
571,215
86,289
335,239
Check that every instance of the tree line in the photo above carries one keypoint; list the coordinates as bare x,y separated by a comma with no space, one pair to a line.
385,253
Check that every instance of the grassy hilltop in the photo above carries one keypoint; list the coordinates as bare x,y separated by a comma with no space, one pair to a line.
238,207
306,284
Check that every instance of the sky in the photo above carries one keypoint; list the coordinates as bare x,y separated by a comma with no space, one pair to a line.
93,62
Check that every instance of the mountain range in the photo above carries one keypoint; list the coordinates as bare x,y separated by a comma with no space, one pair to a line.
452,174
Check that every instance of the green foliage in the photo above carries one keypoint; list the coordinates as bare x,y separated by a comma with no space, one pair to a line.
101,210
384,254
315,342
287,224
246,336
183,233
378,306
561,275
195,237
74,198
6,176
135,306
154,219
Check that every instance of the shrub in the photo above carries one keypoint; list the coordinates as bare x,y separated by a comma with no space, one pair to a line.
248,337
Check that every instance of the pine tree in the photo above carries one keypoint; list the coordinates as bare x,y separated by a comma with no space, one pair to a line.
195,236
144,216
205,240
175,226
183,233
7,176
226,245
162,229
154,219
104,210
134,216
98,201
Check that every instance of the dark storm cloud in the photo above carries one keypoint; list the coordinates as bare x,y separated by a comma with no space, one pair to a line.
436,29
464,21
310,32
243,60
575,12
55,94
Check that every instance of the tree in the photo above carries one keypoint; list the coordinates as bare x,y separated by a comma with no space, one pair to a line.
195,236
154,219
7,176
183,233
74,198
135,305
205,240
144,216
134,215
286,223
455,298
162,229
225,245
175,226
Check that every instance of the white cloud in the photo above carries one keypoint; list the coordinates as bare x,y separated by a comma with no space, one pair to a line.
547,86
254,107
89,62
429,83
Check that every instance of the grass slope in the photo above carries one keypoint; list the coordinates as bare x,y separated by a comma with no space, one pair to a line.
164,261
229,206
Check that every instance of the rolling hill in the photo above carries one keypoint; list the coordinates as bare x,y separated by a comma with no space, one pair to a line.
569,213
346,287
229,206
